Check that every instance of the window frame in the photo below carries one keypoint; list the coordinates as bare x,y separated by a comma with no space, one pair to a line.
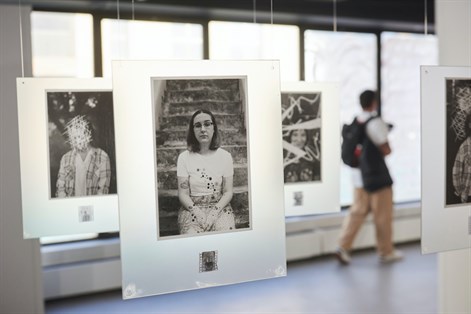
202,18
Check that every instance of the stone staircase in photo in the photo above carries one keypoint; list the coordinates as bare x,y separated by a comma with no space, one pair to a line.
179,101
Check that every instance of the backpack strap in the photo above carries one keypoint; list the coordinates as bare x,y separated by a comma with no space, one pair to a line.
365,123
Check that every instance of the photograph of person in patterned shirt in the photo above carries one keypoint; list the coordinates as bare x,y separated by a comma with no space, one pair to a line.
84,170
458,146
81,143
462,166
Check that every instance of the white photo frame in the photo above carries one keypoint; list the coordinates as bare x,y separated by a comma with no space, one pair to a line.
155,265
446,224
45,106
319,193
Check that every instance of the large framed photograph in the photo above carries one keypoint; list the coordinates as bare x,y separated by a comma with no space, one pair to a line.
202,204
67,156
446,158
311,146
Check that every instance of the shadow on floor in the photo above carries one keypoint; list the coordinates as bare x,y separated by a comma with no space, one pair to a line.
317,285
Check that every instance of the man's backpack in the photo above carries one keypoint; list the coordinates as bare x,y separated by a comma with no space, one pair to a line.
353,135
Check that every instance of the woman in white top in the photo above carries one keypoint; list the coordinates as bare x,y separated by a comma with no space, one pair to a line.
205,179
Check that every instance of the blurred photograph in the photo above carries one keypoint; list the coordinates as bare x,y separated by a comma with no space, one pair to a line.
458,150
301,114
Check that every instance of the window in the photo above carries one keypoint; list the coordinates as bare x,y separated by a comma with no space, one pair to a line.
126,39
350,60
231,40
62,44
401,57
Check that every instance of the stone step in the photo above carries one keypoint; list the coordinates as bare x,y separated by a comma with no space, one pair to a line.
167,178
228,84
177,138
188,108
167,156
169,205
186,96
181,121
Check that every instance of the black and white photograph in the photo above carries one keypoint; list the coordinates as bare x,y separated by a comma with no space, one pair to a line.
298,198
201,155
208,261
458,141
202,204
301,114
445,157
311,146
81,143
67,156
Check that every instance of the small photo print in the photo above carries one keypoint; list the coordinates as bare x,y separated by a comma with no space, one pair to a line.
81,143
208,261
298,198
301,114
201,155
85,213
458,141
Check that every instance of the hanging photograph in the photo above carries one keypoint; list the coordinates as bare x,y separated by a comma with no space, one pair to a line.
205,186
446,161
201,148
458,145
311,141
301,114
81,143
67,156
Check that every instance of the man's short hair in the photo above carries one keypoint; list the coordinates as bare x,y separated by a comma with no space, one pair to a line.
367,98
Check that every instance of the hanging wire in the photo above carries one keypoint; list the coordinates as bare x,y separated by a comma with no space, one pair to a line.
117,9
21,40
118,16
335,15
271,31
132,5
425,18
255,11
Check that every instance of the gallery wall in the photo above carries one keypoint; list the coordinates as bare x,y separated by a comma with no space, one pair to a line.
453,24
20,262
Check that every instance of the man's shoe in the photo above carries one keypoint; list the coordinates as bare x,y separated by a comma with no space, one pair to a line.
394,256
342,256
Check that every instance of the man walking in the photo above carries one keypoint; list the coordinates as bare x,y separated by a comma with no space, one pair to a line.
372,186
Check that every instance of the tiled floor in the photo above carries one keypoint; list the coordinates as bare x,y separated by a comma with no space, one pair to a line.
317,285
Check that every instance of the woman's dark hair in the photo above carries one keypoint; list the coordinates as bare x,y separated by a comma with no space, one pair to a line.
290,135
367,98
467,125
192,141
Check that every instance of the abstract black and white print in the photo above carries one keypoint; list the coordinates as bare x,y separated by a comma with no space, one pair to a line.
301,114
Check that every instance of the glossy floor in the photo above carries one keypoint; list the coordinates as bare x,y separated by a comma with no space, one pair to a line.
318,285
